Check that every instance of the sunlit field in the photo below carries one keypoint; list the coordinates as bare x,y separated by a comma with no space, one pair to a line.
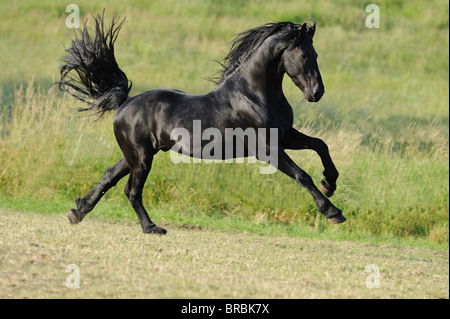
384,114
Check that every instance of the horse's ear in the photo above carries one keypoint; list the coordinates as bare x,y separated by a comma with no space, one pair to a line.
312,30
303,28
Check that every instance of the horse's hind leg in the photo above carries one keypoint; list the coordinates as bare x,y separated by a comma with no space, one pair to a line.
110,178
133,190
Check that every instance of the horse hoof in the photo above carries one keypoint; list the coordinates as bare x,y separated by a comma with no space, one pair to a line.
155,230
74,217
337,219
327,192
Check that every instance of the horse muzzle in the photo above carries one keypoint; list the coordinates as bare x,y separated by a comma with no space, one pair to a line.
315,94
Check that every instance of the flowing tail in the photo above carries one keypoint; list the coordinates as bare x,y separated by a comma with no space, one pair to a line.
91,73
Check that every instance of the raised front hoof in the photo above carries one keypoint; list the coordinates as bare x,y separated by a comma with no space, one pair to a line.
326,189
74,217
155,230
337,219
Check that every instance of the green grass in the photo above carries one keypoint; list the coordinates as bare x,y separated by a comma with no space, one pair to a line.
388,188
111,211
384,116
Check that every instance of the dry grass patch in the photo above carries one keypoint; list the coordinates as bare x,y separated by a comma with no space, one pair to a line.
117,261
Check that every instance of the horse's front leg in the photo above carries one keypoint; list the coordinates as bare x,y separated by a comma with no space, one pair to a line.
286,165
296,140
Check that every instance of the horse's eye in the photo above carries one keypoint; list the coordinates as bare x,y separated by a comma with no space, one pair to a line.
304,56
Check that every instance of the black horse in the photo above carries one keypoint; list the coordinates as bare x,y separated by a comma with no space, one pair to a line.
248,95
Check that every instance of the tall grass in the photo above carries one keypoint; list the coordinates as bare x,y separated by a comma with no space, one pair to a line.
397,185
384,115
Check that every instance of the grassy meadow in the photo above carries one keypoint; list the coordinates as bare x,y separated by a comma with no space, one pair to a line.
203,263
384,116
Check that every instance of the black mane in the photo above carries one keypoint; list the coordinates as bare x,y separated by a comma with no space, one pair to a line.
246,42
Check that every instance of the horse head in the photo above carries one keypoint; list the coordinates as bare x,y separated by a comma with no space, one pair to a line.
299,61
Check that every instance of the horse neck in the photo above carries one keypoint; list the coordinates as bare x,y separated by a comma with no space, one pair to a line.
260,76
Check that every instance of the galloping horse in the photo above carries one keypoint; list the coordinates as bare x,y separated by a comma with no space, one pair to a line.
248,95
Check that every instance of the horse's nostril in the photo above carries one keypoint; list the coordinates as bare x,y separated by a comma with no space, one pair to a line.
317,95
